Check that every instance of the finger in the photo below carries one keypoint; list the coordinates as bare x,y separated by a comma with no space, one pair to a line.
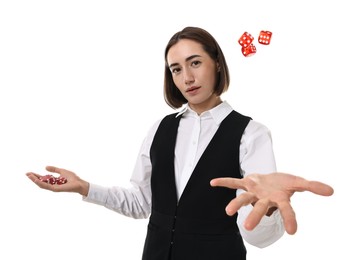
53,169
320,188
35,178
232,183
288,217
259,210
316,187
244,199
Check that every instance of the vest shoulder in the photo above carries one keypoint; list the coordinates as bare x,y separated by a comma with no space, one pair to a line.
239,115
170,117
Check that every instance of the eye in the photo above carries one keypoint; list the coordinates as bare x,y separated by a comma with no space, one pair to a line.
195,63
175,70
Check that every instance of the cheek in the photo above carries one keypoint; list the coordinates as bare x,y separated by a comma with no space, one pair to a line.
210,80
178,82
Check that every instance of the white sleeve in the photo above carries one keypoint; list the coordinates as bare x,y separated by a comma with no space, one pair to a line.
257,156
267,232
135,201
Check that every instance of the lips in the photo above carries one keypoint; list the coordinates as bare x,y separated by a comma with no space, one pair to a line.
192,89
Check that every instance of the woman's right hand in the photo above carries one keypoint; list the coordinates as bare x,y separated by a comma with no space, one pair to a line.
73,184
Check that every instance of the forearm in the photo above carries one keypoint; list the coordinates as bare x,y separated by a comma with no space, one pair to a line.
133,202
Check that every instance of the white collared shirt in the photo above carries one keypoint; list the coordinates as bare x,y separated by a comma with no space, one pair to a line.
194,134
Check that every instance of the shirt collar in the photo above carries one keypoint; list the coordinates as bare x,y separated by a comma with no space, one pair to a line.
218,113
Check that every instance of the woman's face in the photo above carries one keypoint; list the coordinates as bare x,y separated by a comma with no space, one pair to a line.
194,73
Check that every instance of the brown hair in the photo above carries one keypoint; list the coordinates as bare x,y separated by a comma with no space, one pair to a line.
173,97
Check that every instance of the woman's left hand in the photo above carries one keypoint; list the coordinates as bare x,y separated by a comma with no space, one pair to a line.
267,191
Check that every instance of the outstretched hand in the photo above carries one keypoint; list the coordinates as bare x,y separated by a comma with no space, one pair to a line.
73,184
266,191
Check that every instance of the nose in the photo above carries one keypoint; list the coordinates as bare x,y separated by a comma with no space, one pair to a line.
188,76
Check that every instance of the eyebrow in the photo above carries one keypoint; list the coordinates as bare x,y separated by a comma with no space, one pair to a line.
187,59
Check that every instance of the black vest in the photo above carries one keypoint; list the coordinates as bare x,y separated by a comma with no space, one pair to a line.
197,227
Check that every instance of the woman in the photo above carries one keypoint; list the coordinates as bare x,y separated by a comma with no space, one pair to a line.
200,166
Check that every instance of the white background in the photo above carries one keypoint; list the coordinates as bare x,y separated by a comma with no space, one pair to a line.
81,83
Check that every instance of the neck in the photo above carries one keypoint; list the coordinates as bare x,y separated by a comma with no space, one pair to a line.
200,108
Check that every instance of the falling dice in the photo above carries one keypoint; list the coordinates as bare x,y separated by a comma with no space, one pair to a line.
249,50
245,40
265,37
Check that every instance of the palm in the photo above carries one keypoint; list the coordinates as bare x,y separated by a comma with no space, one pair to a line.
269,191
72,184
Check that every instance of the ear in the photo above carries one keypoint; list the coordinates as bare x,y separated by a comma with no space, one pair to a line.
218,67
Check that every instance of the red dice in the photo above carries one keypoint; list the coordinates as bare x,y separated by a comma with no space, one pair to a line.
48,179
249,50
60,180
53,180
245,40
265,37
